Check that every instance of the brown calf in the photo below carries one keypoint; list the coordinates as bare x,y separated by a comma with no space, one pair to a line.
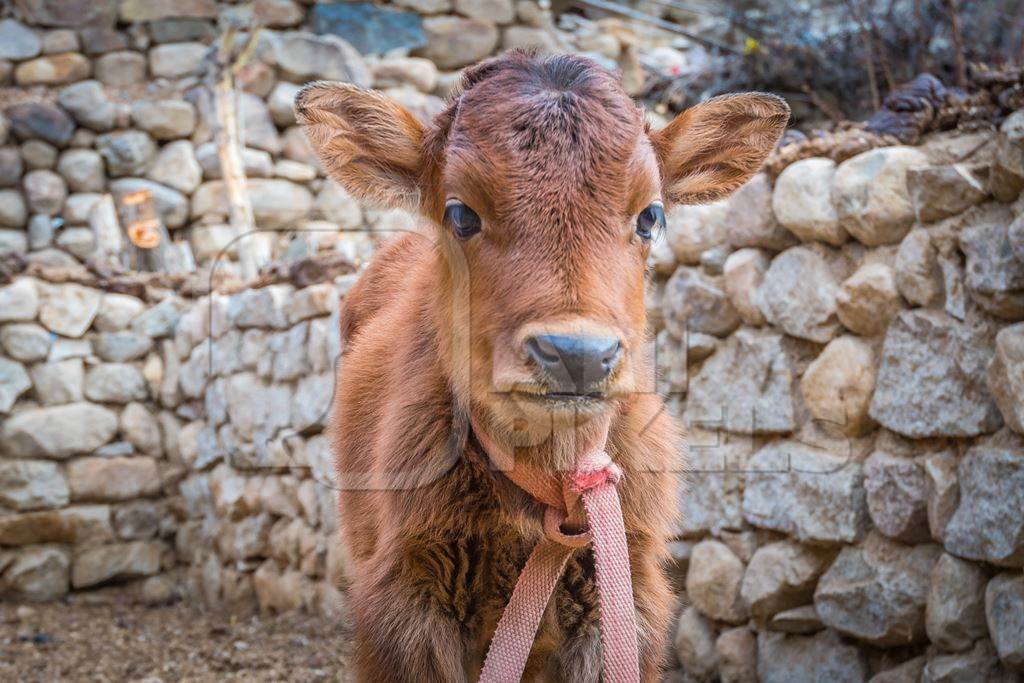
521,305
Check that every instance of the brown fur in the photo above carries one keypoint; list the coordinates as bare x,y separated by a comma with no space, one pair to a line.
557,162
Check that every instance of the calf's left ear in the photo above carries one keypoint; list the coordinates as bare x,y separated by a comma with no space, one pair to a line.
367,142
714,147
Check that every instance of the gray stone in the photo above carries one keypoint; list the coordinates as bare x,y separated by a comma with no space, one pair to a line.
158,321
176,167
955,612
988,525
692,230
137,521
939,192
77,241
799,295
25,341
454,42
258,128
11,166
255,162
823,658
275,203
78,207
1004,610
32,485
17,41
14,382
713,501
13,210
121,69
51,70
868,299
799,620
83,170
781,576
60,40
805,492
43,121
122,346
750,220
943,494
931,379
171,206
877,592
89,104
304,57
127,152
116,562
908,672
115,383
737,655
59,382
713,582
165,119
176,60
68,309
498,11
313,396
746,386
392,72
802,201
40,232
980,665
141,429
994,274
838,384
19,301
13,242
39,574
132,11
58,431
695,645
45,192
336,205
79,524
38,154
692,304
1006,376
113,478
897,490
871,195
117,311
743,273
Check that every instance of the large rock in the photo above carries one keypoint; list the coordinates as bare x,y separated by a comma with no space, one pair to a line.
333,203
119,347
799,295
939,192
38,574
979,665
255,162
692,304
121,69
737,655
816,496
117,562
11,163
746,386
176,60
988,525
1004,610
45,192
117,311
389,73
868,299
837,386
113,479
454,42
176,167
165,119
275,203
32,485
304,57
802,201
943,491
955,613
133,11
51,70
43,121
171,206
897,489
781,576
692,230
19,301
918,277
14,382
59,382
877,592
695,645
17,41
1006,376
871,195
25,341
713,501
58,431
127,152
994,274
931,380
743,273
115,383
823,658
13,210
713,582
79,524
89,104
260,131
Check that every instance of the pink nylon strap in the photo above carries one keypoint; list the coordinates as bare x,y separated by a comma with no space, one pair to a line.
585,496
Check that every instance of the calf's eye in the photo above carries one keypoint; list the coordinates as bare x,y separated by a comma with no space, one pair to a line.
462,220
650,219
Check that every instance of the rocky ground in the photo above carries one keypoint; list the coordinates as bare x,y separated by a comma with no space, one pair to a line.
117,642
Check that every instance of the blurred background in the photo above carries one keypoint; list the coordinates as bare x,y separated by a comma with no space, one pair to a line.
843,337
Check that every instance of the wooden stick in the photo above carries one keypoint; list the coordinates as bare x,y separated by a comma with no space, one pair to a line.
958,43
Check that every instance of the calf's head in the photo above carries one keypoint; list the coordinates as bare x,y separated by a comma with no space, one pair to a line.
546,189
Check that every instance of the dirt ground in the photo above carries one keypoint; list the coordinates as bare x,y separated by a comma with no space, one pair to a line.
111,642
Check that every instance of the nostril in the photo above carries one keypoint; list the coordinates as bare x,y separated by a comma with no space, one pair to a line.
542,351
611,357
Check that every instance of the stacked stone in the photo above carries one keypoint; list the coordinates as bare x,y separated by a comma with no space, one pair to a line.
87,459
846,344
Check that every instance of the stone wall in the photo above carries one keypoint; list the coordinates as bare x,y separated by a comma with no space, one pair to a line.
845,342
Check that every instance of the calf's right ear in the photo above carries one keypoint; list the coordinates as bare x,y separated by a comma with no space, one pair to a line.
366,141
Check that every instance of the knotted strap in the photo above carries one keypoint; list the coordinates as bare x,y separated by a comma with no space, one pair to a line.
592,484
